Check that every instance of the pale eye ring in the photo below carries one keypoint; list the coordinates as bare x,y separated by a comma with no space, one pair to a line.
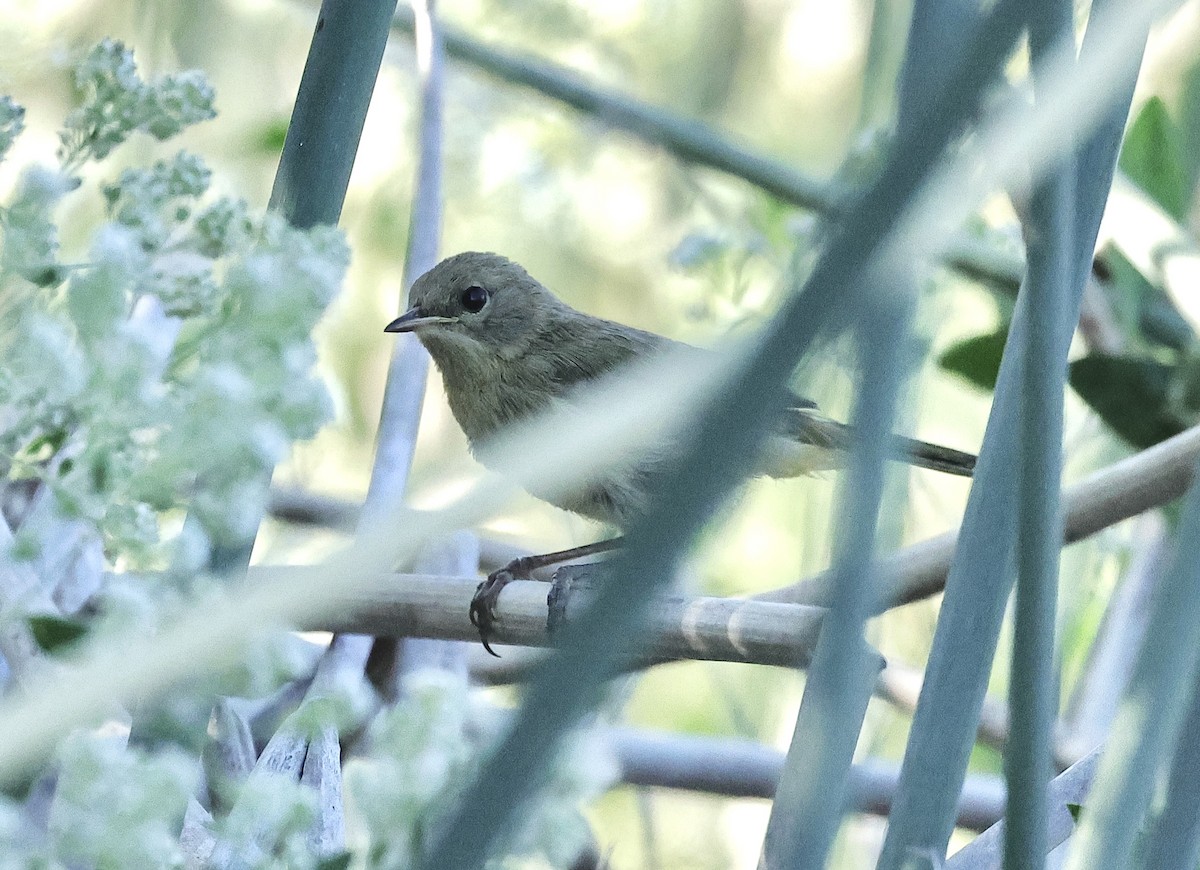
473,299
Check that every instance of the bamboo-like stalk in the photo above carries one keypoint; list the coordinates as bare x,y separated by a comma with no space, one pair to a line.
435,606
331,108
943,731
1146,729
935,40
1033,681
809,802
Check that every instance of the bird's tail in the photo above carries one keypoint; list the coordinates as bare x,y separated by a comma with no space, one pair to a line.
812,442
925,455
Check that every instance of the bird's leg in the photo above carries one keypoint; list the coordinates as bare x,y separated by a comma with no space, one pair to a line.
567,581
483,604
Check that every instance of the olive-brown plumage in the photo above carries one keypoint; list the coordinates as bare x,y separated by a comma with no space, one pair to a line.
507,349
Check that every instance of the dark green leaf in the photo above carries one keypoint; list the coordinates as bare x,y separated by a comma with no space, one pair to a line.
1162,323
270,136
52,633
339,861
1130,394
46,445
45,276
1189,126
1185,392
976,359
1151,157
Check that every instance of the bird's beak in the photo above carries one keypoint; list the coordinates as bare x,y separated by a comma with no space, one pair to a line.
413,319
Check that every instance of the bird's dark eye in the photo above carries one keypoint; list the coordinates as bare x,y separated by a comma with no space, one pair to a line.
473,299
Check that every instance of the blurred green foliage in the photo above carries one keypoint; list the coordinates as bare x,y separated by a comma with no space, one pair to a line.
1153,155
591,213
1150,389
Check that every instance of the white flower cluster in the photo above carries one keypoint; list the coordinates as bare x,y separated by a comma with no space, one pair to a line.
171,369
110,806
163,371
115,103
115,806
419,755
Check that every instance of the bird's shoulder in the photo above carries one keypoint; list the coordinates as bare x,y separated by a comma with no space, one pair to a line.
580,349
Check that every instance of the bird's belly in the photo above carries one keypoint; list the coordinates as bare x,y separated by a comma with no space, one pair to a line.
784,457
614,498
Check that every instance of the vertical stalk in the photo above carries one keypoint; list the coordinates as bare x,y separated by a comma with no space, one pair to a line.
322,139
1147,725
811,795
1033,689
409,365
943,731
935,43
331,107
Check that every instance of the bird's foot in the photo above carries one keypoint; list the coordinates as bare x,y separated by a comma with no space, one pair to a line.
487,594
568,581
483,605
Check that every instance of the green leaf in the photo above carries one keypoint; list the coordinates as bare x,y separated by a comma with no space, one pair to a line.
1151,156
45,445
270,136
977,359
1189,125
1131,395
339,861
53,633
1140,306
1076,811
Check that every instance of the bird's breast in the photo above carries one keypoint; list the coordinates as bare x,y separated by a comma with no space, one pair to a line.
487,401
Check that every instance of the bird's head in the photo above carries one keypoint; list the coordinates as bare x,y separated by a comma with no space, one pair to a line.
475,302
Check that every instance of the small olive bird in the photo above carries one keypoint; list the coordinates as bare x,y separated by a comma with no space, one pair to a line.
508,349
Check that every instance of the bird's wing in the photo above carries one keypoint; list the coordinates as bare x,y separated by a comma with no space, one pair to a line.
806,427
802,423
798,403
578,352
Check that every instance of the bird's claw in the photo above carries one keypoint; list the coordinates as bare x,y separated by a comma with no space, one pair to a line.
483,605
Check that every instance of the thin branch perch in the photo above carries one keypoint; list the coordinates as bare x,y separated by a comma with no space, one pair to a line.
417,605
744,768
1124,489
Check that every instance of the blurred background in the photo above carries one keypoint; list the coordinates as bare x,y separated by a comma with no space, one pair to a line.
624,230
